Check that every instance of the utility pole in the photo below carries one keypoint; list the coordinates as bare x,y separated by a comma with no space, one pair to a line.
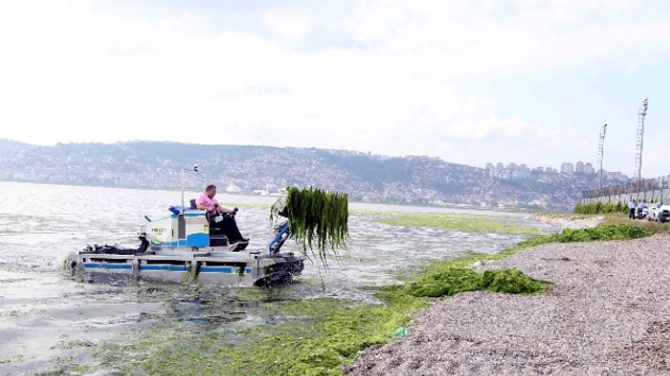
642,112
601,149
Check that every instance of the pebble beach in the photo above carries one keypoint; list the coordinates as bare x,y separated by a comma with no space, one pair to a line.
606,313
567,222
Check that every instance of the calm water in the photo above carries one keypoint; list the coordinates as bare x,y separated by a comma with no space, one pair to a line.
47,320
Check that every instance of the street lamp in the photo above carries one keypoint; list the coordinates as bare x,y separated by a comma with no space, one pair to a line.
642,112
601,150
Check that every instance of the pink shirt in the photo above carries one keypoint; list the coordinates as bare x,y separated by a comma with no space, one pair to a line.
203,199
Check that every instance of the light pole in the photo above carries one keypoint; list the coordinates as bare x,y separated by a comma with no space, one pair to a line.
642,112
601,151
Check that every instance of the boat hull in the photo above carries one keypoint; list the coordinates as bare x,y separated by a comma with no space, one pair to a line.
225,268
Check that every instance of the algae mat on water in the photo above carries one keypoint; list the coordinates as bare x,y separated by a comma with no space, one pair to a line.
459,222
306,338
311,337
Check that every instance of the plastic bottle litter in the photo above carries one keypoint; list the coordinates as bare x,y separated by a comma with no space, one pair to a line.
400,332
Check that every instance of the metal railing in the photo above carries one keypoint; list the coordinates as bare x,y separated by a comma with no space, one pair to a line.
652,186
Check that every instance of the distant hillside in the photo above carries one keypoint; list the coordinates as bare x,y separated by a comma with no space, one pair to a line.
366,177
9,148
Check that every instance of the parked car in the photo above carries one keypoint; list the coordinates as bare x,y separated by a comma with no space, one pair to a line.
660,212
642,211
653,211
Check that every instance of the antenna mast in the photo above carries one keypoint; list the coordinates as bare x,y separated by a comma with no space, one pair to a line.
642,112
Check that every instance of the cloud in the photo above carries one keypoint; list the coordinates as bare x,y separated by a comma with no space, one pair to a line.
492,126
293,27
462,40
395,83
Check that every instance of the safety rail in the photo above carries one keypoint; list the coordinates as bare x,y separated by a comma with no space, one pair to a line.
647,190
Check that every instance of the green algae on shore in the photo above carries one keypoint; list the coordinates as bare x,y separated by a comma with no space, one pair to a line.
450,281
601,232
459,222
312,337
319,337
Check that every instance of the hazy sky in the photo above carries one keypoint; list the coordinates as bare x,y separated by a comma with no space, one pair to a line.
468,81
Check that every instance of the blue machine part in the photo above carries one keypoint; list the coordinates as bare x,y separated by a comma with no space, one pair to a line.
224,269
168,268
102,265
193,240
279,239
197,240
178,209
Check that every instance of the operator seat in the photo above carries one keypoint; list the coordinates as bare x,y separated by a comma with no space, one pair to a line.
212,230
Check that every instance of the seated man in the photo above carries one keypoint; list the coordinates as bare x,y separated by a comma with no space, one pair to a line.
218,217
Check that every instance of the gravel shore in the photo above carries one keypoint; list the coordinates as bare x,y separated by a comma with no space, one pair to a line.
607,313
567,221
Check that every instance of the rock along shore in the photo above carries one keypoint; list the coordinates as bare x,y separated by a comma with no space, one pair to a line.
607,313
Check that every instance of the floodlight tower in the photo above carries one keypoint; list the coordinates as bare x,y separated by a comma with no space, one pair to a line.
642,112
601,144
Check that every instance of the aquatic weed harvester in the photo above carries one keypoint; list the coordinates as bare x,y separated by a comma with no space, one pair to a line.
182,246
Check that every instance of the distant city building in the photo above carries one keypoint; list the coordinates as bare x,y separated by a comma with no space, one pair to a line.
511,172
616,177
520,174
567,168
588,169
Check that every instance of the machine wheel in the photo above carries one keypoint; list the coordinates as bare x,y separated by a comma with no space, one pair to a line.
70,267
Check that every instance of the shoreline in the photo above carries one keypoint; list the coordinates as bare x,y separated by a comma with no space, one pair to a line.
606,313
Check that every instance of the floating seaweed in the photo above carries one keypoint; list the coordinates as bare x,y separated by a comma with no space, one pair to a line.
318,219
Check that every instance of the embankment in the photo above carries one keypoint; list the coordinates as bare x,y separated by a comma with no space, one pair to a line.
607,312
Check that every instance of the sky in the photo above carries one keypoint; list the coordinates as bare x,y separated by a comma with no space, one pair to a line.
468,81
